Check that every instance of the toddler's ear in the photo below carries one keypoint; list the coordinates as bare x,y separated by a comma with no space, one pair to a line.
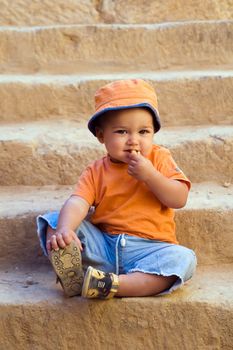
99,134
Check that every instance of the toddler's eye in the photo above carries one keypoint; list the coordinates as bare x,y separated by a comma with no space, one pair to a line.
120,131
144,131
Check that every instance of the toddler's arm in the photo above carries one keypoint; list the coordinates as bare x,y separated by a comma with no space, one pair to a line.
172,193
71,215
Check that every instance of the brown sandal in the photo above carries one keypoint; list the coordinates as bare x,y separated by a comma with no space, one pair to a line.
67,264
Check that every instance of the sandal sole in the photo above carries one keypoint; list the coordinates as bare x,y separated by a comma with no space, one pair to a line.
67,264
86,282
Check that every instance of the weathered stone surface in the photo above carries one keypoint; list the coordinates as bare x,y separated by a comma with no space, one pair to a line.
149,11
208,232
79,48
27,13
204,225
32,13
185,97
39,317
57,153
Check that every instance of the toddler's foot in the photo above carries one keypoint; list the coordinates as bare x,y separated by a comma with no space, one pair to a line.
67,264
98,284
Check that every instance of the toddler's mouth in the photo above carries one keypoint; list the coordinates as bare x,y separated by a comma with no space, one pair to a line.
134,151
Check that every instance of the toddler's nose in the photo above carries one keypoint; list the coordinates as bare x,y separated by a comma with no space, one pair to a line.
132,140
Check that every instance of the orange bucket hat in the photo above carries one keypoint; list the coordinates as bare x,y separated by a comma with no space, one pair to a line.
124,94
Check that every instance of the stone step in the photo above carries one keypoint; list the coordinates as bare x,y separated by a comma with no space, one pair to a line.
130,47
31,13
205,224
32,305
185,97
47,153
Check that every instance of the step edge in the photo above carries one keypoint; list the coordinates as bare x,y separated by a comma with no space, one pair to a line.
149,75
159,25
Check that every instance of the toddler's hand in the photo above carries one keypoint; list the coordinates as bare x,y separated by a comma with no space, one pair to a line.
139,166
61,239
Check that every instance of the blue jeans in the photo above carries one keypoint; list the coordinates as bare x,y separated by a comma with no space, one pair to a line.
124,254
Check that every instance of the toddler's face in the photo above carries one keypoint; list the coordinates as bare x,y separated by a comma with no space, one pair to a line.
125,131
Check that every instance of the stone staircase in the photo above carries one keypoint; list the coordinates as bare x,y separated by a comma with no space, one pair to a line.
53,56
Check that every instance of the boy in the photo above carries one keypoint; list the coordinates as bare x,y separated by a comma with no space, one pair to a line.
129,248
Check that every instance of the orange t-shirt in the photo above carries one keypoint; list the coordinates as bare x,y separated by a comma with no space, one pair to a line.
125,205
